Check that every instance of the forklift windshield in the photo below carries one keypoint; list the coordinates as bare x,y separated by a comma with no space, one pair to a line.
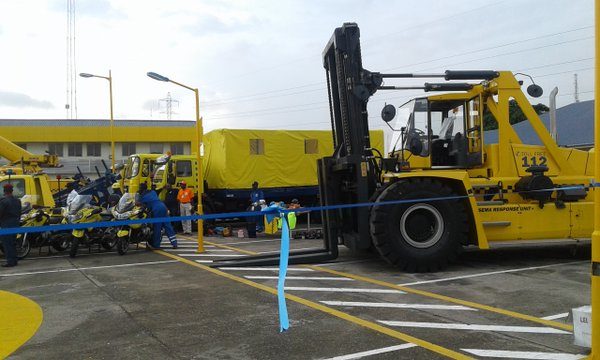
411,128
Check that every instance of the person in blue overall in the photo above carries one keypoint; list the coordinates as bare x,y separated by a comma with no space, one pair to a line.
255,196
150,199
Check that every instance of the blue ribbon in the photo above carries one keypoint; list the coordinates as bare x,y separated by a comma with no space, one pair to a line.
284,322
271,212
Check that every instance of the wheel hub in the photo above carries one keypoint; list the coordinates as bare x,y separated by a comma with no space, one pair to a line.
422,225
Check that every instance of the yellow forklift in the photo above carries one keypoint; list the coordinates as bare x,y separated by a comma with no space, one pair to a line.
441,188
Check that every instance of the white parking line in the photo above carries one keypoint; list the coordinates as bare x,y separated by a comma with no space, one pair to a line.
78,255
354,290
300,278
201,255
557,316
89,268
262,269
501,328
398,306
488,273
523,354
360,355
204,261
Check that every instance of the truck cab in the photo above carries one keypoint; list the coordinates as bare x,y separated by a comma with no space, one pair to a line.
30,188
172,170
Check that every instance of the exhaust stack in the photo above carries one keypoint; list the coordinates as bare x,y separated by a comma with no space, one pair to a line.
553,129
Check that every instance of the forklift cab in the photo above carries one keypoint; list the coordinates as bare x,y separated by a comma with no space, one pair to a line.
448,132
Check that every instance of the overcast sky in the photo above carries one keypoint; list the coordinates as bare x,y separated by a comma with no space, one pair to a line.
258,63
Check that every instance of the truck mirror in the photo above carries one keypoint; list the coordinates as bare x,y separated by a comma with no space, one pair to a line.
171,179
388,113
535,90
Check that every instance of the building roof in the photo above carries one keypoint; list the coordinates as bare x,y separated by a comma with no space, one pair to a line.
96,123
574,123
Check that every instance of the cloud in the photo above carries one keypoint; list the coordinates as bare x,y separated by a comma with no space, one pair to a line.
18,100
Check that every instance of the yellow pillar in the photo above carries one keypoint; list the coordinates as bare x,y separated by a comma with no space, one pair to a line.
200,175
596,234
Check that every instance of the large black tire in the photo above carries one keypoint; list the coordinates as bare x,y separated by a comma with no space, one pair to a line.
23,247
122,245
74,246
419,236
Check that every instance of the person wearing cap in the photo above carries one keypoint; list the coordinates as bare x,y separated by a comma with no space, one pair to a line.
185,197
159,210
10,216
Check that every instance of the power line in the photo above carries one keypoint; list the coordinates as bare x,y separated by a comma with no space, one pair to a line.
490,48
230,100
280,109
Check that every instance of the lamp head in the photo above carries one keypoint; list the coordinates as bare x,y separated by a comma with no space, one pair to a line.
86,75
156,76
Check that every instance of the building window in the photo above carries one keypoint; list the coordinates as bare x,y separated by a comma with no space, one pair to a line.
177,149
75,149
311,146
22,146
127,149
55,149
184,168
257,146
94,149
156,148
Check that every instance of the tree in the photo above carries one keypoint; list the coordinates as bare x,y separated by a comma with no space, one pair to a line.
515,115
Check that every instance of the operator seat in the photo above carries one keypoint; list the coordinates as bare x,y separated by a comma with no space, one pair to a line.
440,147
458,153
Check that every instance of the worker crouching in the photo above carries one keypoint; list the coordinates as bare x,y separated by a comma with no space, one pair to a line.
150,200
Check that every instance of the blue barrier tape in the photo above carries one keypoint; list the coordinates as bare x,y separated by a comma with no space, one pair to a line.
114,223
270,212
284,322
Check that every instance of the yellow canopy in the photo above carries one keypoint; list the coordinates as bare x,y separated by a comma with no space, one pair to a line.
234,159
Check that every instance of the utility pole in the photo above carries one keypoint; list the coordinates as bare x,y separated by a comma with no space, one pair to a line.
168,105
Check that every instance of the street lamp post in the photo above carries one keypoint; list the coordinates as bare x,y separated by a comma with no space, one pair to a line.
200,185
112,138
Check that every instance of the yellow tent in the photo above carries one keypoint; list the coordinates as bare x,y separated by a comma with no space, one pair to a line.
234,159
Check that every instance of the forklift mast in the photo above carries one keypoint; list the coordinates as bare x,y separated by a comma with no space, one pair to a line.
350,174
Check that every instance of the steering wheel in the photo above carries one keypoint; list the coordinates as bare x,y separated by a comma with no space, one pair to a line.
418,132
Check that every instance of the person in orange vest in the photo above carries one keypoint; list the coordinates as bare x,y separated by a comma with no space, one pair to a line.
185,196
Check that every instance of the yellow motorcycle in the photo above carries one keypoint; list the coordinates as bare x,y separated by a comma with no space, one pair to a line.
80,211
38,217
126,209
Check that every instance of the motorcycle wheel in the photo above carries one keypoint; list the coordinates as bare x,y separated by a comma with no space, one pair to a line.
74,246
23,247
109,244
62,243
122,245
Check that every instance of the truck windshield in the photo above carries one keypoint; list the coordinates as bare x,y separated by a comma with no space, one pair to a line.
132,168
158,175
412,116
